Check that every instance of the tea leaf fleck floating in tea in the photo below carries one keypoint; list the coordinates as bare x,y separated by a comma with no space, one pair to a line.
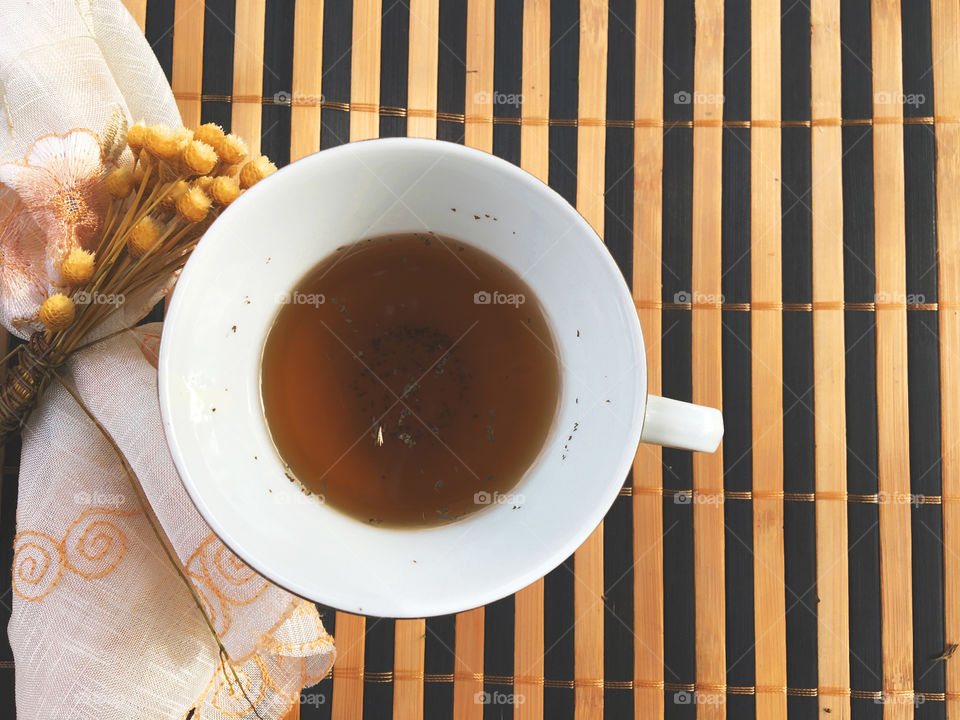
436,486
490,433
380,436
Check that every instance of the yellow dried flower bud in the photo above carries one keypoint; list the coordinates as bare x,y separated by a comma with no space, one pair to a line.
162,142
183,136
194,205
174,193
255,171
199,157
136,137
211,134
119,183
77,268
204,182
231,149
224,190
57,312
143,236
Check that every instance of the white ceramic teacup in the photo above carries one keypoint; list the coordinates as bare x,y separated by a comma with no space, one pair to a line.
259,249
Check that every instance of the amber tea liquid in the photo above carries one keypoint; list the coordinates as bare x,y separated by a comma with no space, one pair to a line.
410,379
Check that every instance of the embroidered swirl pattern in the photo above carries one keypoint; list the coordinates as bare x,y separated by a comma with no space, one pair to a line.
223,581
91,548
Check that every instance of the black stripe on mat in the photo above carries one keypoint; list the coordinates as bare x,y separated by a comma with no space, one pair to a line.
277,78
736,356
799,475
927,520
158,30
507,78
866,669
499,617
559,611
337,40
378,658
439,659
498,657
8,513
217,76
618,561
394,42
451,67
679,612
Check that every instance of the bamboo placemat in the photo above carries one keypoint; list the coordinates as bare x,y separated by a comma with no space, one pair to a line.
778,183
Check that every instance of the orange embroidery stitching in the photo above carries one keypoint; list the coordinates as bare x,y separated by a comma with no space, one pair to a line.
91,548
234,697
216,571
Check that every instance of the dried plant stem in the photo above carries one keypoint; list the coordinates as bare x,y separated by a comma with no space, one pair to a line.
158,532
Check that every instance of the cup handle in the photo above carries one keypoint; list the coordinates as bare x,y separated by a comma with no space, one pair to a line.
683,425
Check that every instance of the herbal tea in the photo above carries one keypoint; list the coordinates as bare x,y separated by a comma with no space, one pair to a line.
410,380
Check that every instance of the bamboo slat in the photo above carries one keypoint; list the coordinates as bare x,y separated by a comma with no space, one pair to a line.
409,644
478,103
945,24
245,118
305,118
422,67
307,85
766,329
647,288
410,635
892,410
364,89
187,76
591,143
365,69
349,636
535,159
829,364
708,524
